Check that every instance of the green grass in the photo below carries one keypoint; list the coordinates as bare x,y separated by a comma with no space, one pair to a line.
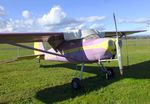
25,82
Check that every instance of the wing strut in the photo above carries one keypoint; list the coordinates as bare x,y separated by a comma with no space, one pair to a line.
44,51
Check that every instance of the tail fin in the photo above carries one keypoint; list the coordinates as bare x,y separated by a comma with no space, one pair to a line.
38,45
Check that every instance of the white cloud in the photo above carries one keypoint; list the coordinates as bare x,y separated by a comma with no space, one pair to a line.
123,21
55,20
98,26
26,14
2,11
92,18
142,20
137,20
54,16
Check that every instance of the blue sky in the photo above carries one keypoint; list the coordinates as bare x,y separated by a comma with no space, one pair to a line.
53,15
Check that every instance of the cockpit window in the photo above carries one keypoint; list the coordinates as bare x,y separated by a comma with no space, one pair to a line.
101,34
83,34
95,34
92,36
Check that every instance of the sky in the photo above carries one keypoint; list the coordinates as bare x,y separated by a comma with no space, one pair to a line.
65,15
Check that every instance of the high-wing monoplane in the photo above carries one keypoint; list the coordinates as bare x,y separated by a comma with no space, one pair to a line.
80,46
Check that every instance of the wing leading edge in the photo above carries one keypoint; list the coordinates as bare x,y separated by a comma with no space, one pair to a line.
54,39
29,37
121,33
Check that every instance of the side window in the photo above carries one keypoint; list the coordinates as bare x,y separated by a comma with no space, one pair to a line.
91,37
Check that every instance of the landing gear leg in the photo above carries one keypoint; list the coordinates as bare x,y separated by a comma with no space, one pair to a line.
76,82
109,73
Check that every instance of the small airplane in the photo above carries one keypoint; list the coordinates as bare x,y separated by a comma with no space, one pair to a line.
80,46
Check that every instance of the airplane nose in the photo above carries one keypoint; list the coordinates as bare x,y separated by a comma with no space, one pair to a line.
110,43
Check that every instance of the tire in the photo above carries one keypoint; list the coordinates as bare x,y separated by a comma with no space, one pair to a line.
109,74
76,83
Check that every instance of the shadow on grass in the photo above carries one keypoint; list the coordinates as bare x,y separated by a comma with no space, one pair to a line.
64,92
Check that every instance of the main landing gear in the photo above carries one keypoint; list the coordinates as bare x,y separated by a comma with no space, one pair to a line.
76,82
109,73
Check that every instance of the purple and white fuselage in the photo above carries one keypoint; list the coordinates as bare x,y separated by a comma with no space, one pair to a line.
83,50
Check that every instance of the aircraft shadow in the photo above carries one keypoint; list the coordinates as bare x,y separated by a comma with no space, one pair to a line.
64,92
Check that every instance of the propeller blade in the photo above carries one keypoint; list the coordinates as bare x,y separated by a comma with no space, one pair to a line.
118,48
119,56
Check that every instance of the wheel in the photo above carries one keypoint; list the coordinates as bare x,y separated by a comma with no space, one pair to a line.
109,73
76,83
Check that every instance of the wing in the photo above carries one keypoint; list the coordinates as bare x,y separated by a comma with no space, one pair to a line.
28,37
54,39
121,33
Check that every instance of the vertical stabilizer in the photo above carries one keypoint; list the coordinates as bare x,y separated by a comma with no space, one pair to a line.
38,45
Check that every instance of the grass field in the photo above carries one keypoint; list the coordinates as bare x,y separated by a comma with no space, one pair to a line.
25,82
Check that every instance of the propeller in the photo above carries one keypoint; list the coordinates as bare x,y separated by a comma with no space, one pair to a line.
118,48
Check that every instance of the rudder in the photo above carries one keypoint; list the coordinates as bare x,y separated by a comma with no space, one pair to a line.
38,45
